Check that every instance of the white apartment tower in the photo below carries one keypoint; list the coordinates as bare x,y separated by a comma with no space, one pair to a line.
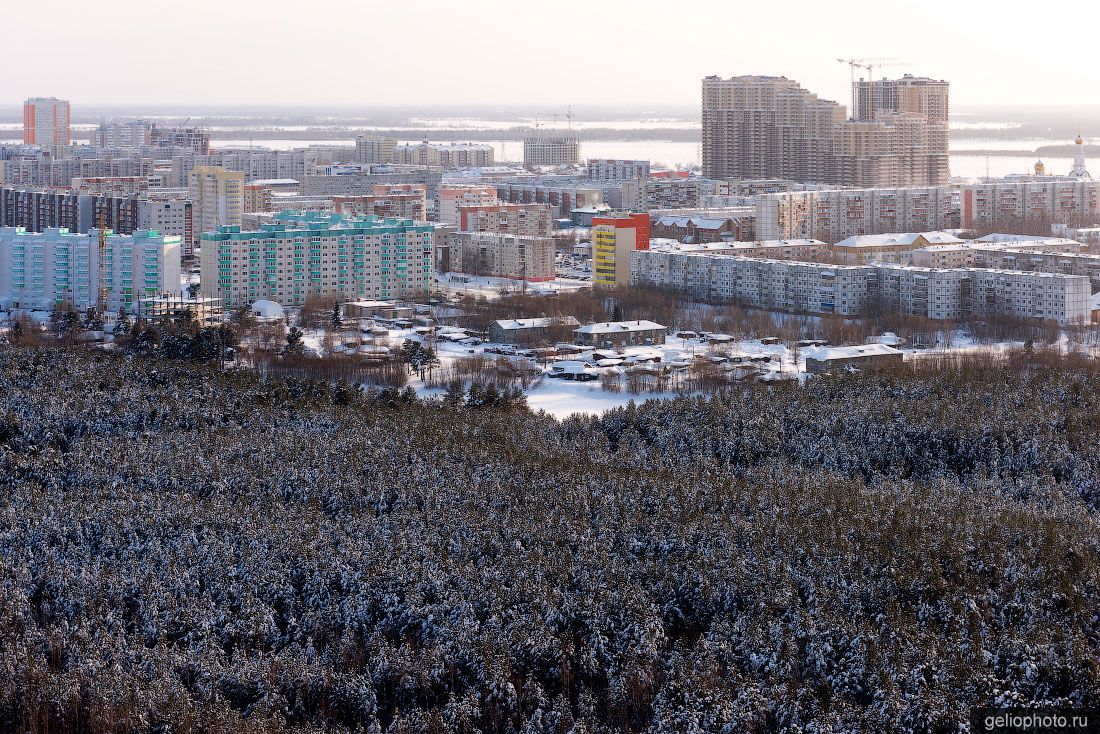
39,269
46,121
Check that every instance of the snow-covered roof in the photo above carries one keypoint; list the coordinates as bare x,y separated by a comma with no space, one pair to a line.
888,338
267,309
273,182
898,238
535,323
864,350
616,327
371,304
699,222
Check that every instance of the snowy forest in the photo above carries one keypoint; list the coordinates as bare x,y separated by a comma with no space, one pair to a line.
188,549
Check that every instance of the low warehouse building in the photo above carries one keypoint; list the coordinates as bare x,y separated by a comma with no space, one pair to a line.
864,357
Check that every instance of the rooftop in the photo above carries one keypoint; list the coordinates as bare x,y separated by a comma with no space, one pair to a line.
898,238
864,350
535,323
616,327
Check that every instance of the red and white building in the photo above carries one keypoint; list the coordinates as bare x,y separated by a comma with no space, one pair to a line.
46,121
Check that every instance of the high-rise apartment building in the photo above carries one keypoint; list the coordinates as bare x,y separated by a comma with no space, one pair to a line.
766,127
858,290
769,127
563,197
168,215
402,201
614,239
124,134
547,147
452,198
39,269
46,121
495,255
614,169
833,215
373,149
917,95
918,109
444,155
1002,205
315,253
195,139
217,200
525,220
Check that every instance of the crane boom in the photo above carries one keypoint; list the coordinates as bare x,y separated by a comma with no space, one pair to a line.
101,296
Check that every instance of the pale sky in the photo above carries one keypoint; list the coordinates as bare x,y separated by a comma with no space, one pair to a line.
365,52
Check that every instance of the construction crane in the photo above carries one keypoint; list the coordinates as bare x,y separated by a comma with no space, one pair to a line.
869,65
101,298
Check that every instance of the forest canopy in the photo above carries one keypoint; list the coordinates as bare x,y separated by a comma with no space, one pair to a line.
185,549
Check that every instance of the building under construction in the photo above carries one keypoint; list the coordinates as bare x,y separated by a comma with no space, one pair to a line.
761,127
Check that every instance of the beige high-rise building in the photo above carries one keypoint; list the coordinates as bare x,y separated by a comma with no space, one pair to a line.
766,127
217,199
372,149
769,127
918,107
546,147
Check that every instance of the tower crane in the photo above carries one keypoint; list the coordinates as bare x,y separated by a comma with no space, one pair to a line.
101,296
869,65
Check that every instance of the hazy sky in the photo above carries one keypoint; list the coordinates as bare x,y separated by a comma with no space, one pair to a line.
365,52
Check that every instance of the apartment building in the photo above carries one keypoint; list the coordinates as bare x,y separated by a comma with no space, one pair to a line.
168,215
529,259
919,95
835,214
614,238
1029,259
690,229
40,269
79,211
38,210
452,198
255,165
125,185
891,247
919,107
46,121
563,197
757,127
123,134
675,193
217,200
1007,204
525,220
316,253
761,127
194,139
860,290
373,149
364,181
548,147
617,169
402,201
444,155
